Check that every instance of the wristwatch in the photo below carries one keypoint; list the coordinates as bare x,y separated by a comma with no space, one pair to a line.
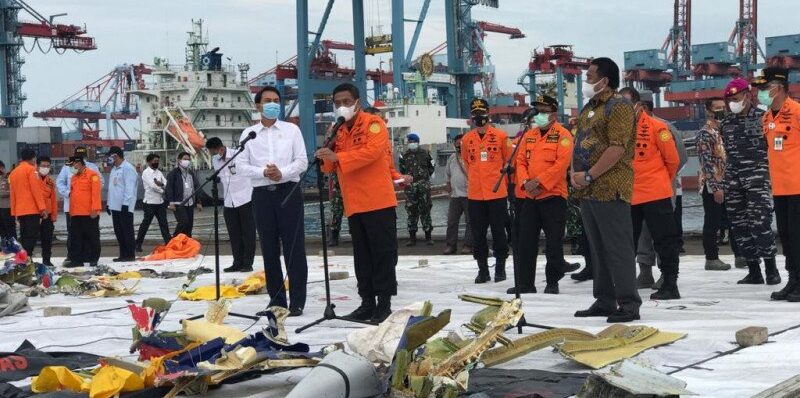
588,177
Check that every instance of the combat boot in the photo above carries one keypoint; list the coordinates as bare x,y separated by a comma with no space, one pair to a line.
383,310
668,289
771,270
740,262
365,311
428,238
483,271
658,283
334,238
754,276
412,239
717,265
794,296
500,270
645,278
790,288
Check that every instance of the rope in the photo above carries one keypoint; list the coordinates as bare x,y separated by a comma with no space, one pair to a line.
86,343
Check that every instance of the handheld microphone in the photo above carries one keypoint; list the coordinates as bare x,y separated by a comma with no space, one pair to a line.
332,137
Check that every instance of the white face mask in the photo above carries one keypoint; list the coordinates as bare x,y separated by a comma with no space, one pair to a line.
44,171
347,112
185,164
588,90
737,107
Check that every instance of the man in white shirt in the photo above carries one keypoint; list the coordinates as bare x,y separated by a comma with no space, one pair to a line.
274,161
238,208
153,203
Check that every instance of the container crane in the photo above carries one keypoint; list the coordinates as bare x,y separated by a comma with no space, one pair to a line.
62,37
558,60
107,98
483,60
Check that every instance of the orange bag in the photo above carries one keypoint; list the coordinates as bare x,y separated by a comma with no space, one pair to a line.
181,246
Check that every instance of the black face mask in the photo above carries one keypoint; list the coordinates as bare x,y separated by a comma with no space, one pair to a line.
154,166
719,115
480,120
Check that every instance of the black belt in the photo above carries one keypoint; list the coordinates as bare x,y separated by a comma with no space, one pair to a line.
276,187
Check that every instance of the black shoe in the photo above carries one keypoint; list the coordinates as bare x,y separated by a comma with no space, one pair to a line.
551,288
295,312
784,293
449,250
752,279
238,268
48,264
594,310
483,277
622,316
139,249
383,310
500,270
771,271
585,275
412,239
522,290
794,297
71,264
365,311
569,267
668,291
428,238
124,259
93,264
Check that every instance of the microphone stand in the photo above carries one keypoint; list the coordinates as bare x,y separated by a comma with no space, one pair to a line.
506,172
214,179
329,313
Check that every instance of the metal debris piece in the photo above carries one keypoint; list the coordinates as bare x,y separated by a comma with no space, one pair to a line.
340,375
633,378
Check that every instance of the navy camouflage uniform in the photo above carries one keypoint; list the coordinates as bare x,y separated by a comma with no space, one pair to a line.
748,193
419,165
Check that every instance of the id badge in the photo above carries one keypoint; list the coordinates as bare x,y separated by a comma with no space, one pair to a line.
188,184
778,146
484,156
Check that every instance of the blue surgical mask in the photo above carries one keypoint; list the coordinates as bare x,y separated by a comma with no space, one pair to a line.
271,110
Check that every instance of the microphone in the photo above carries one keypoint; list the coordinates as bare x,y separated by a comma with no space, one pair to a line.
332,138
250,136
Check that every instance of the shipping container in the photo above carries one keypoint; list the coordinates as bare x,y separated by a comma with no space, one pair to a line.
676,113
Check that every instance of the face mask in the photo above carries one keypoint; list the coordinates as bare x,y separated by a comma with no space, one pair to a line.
44,171
347,112
480,120
588,90
764,98
737,107
271,110
154,166
413,146
110,160
216,157
185,164
542,119
73,170
719,115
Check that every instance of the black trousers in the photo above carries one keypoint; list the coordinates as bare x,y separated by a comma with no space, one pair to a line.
374,235
282,227
29,231
123,230
486,214
8,225
184,215
159,211
712,221
677,214
85,232
787,215
46,229
242,232
514,235
660,220
70,241
548,215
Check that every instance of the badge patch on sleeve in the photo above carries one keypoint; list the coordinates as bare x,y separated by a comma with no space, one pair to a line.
565,142
665,136
375,128
95,178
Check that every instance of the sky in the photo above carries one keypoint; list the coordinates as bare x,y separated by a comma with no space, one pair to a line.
260,31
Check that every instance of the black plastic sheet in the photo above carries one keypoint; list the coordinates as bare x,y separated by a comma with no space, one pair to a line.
523,383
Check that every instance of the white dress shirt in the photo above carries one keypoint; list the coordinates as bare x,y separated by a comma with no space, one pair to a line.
237,187
280,144
153,194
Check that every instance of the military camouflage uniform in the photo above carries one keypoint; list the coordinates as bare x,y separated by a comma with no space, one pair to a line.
337,205
748,197
419,165
574,222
